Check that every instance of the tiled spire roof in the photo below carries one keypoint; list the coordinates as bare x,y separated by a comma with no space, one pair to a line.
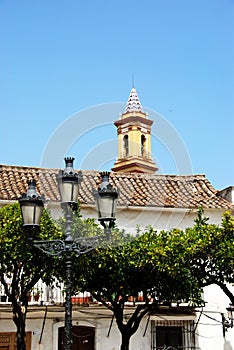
144,190
133,104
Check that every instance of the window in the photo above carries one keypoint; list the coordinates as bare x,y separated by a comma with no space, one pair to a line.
173,335
125,144
143,145
169,336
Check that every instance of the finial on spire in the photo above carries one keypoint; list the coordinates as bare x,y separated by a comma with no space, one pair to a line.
133,81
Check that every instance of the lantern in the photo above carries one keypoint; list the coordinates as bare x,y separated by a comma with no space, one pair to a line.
31,205
106,200
68,183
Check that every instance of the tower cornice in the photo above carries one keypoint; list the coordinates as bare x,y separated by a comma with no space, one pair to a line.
134,120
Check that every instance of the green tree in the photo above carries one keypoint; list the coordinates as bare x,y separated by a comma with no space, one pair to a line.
165,267
209,250
21,263
150,264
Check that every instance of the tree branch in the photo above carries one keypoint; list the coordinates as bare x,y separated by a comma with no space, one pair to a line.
226,290
99,298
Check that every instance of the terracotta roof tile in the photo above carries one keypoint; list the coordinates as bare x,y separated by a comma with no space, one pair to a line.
147,190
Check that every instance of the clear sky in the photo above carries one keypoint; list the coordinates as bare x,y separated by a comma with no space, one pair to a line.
59,58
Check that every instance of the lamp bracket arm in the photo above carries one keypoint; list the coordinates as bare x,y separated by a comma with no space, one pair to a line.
84,245
51,247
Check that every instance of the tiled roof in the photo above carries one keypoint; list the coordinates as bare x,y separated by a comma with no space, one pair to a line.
148,190
133,103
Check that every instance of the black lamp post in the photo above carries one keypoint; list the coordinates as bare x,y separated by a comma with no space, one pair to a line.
68,183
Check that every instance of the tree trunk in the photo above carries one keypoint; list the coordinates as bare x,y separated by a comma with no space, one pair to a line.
125,342
132,325
19,319
225,289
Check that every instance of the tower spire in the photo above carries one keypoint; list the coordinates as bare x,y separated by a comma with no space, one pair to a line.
134,138
133,103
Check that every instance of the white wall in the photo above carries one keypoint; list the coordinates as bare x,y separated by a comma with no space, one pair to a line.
137,342
210,328
129,218
49,340
34,326
161,218
209,331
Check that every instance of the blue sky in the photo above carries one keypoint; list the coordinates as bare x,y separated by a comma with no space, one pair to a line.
59,58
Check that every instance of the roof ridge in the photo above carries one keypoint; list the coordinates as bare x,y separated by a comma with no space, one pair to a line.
148,175
37,168
93,171
23,167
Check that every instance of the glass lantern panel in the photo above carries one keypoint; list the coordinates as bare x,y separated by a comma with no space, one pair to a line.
106,206
68,191
31,214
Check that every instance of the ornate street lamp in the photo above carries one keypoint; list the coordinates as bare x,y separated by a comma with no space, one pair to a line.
31,205
68,183
106,201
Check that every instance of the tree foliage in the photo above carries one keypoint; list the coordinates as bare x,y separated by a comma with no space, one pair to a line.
162,267
165,267
209,251
22,265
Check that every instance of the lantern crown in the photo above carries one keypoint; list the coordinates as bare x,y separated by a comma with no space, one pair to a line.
105,186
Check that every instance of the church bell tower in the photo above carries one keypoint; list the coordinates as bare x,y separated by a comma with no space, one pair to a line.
134,139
